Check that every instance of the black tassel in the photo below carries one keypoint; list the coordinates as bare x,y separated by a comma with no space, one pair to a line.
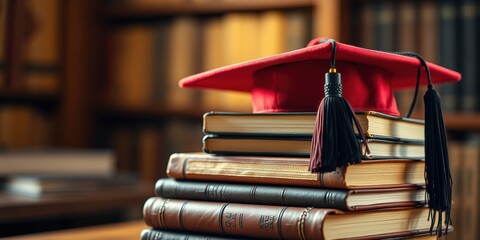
334,143
438,179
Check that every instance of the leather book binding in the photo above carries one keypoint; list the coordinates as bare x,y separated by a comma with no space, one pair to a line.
294,171
346,200
281,222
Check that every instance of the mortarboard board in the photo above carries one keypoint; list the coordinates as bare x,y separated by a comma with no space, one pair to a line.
293,82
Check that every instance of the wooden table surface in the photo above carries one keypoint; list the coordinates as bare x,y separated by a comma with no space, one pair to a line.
16,208
118,231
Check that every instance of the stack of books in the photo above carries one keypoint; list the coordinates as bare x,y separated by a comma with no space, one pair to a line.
252,181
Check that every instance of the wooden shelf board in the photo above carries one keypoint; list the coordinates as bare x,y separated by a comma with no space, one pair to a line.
462,121
28,98
164,9
148,113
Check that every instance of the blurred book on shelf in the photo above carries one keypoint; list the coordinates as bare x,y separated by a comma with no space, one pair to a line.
442,32
71,162
144,62
31,58
3,40
465,168
32,185
448,50
130,66
42,52
45,173
469,16
23,127
146,149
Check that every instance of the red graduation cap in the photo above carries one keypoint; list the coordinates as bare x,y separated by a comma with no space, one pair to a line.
293,82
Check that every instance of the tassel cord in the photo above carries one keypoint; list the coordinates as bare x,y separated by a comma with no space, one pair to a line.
334,53
438,179
360,131
350,110
415,96
417,82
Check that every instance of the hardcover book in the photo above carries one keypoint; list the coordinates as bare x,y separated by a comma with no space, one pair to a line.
374,124
300,147
294,171
346,200
280,222
154,234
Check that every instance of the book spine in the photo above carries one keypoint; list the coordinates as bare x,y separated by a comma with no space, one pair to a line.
367,25
159,70
469,57
298,29
289,173
470,193
408,34
181,61
257,194
384,25
152,234
448,51
244,220
456,159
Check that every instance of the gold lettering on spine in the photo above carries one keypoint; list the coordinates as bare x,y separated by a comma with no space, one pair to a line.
157,236
161,214
301,224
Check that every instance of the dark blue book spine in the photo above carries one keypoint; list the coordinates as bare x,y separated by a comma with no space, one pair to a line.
448,51
153,234
469,58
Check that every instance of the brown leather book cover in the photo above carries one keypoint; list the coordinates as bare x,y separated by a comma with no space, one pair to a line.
346,200
280,222
294,171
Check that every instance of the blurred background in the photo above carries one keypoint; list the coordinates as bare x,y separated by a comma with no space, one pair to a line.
101,77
